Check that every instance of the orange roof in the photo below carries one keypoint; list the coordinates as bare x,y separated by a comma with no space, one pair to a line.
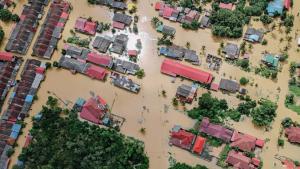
199,145
6,56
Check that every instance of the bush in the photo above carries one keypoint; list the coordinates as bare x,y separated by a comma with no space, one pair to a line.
1,34
48,65
264,114
266,19
10,152
264,42
289,99
244,81
15,18
5,15
280,142
55,64
140,73
287,122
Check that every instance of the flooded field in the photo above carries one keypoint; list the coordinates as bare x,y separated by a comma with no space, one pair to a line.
148,108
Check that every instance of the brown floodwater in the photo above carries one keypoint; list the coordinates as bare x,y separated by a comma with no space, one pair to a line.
148,108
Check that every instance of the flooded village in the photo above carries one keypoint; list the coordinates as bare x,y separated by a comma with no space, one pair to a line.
160,72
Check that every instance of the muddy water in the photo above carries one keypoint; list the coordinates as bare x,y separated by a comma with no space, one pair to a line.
154,118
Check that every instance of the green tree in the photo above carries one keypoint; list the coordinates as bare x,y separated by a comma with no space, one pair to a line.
264,114
5,15
1,35
287,122
244,81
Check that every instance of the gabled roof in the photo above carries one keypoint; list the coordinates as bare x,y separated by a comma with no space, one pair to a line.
118,25
293,134
182,139
96,72
174,68
229,85
99,59
6,56
215,130
159,5
244,142
199,145
94,110
238,160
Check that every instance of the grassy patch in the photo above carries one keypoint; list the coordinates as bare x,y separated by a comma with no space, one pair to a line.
295,90
294,107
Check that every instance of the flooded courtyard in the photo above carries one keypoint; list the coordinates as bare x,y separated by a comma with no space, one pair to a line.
149,109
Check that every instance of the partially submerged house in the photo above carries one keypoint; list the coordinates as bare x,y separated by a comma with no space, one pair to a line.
23,32
85,26
102,43
73,64
124,66
119,44
94,110
181,138
124,83
253,35
186,93
205,22
96,72
121,20
293,134
174,69
229,85
275,7
52,29
180,53
239,161
245,142
231,51
167,30
103,60
270,60
215,130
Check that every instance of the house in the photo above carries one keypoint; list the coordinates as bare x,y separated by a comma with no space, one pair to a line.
228,6
199,145
119,44
244,142
253,35
239,161
101,44
287,4
94,110
73,64
229,85
270,60
85,26
173,52
205,22
183,139
293,134
191,56
231,51
96,72
186,93
275,7
118,25
167,30
124,66
215,130
132,53
159,5
119,5
100,59
122,18
174,68
191,16
6,56
214,87
124,83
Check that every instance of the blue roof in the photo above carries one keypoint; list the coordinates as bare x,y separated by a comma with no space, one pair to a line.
38,116
29,98
254,37
16,127
275,6
14,135
80,101
106,121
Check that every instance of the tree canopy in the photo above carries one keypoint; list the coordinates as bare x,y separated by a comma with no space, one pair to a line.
264,114
67,143
185,166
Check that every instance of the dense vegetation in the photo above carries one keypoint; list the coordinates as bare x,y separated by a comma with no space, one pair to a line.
1,34
227,23
69,143
6,16
185,166
264,114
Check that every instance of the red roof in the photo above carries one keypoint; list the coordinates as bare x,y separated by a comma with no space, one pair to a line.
174,68
60,24
96,72
40,70
244,142
260,143
214,86
6,56
28,140
238,160
228,6
256,161
99,59
118,25
199,145
94,110
182,139
287,4
64,15
293,134
167,13
132,52
80,22
90,28
159,5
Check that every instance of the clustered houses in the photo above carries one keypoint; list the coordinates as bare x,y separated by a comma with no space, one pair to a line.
178,14
243,142
179,53
112,3
9,66
174,68
5,3
186,94
18,106
119,43
85,26
186,140
52,28
124,82
120,21
164,29
24,31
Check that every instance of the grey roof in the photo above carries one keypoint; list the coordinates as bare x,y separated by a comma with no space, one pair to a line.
73,51
117,48
123,18
231,50
125,83
205,22
184,90
229,85
73,64
168,30
4,158
191,56
124,66
101,44
122,39
119,5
